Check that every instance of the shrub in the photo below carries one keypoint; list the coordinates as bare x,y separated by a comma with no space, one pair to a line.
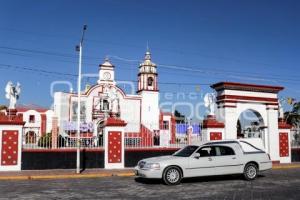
45,140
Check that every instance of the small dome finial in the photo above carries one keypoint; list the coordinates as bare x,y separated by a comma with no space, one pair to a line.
107,62
147,55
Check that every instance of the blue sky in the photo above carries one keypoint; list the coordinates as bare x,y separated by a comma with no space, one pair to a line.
215,40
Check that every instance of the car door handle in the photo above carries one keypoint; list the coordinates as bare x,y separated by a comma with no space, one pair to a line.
233,158
209,159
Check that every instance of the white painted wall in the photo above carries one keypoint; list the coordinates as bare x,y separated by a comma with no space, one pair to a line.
273,134
130,107
150,109
61,108
36,125
248,93
206,133
130,112
49,115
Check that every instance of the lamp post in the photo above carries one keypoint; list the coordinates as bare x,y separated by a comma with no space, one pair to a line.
79,48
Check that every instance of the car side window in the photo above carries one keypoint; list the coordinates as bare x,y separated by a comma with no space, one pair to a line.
207,151
225,151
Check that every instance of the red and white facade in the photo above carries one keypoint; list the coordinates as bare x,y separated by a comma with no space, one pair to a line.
233,99
11,126
38,122
105,99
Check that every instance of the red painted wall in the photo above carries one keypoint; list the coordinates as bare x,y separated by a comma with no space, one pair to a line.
215,136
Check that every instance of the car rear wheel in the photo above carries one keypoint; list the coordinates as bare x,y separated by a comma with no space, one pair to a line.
250,171
172,176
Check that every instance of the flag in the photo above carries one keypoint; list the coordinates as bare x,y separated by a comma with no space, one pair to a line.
290,100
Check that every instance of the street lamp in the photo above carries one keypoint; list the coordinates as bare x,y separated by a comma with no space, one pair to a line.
79,48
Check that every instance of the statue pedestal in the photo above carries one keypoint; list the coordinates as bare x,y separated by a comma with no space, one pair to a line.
11,127
212,129
11,112
114,134
284,141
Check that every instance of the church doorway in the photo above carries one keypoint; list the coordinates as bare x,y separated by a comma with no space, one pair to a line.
100,132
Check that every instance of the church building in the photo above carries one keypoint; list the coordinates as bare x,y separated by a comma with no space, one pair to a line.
140,111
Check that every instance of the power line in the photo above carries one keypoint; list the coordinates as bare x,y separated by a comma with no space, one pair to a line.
201,70
38,70
75,75
168,50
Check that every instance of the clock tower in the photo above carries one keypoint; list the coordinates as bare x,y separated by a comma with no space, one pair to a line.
148,89
106,73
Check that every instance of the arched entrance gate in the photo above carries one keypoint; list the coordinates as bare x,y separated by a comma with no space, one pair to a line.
234,99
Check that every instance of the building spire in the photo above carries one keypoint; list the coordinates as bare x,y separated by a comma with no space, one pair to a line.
147,50
147,54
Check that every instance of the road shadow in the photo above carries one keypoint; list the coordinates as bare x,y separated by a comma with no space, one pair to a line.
197,179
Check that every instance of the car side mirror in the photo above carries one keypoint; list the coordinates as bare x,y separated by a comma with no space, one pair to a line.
197,155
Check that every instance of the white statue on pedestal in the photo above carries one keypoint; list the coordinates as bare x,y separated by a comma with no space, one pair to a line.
280,108
114,100
210,102
12,94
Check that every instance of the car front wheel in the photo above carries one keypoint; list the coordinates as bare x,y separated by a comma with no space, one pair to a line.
172,176
250,171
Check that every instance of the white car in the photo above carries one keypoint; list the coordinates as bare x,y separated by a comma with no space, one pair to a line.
211,158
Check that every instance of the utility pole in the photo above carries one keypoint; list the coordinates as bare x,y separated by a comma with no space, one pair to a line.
79,48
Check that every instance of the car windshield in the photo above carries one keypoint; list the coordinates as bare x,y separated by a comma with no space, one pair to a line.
186,151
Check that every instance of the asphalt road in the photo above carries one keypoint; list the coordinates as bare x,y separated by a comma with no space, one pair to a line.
276,184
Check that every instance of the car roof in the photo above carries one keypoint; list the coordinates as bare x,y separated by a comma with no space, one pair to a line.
221,142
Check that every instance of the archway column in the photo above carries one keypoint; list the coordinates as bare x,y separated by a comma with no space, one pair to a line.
227,116
284,142
272,135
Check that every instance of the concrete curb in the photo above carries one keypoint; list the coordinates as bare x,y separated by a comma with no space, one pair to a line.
105,174
65,176
286,166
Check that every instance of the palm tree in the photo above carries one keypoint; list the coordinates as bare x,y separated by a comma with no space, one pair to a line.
293,118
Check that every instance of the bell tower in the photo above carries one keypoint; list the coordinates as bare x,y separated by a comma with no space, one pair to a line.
106,72
148,90
147,77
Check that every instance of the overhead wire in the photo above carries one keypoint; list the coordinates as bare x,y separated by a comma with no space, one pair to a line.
213,72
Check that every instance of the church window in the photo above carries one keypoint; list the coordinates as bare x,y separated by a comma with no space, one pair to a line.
150,81
105,104
31,118
165,125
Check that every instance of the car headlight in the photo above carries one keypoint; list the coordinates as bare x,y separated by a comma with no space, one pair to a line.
152,166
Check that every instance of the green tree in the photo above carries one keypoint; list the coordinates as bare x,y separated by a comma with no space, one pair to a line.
293,117
179,117
3,107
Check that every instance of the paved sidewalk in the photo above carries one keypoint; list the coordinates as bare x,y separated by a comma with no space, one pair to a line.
89,173
64,174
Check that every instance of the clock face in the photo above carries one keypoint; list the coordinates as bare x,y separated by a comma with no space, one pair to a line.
106,75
